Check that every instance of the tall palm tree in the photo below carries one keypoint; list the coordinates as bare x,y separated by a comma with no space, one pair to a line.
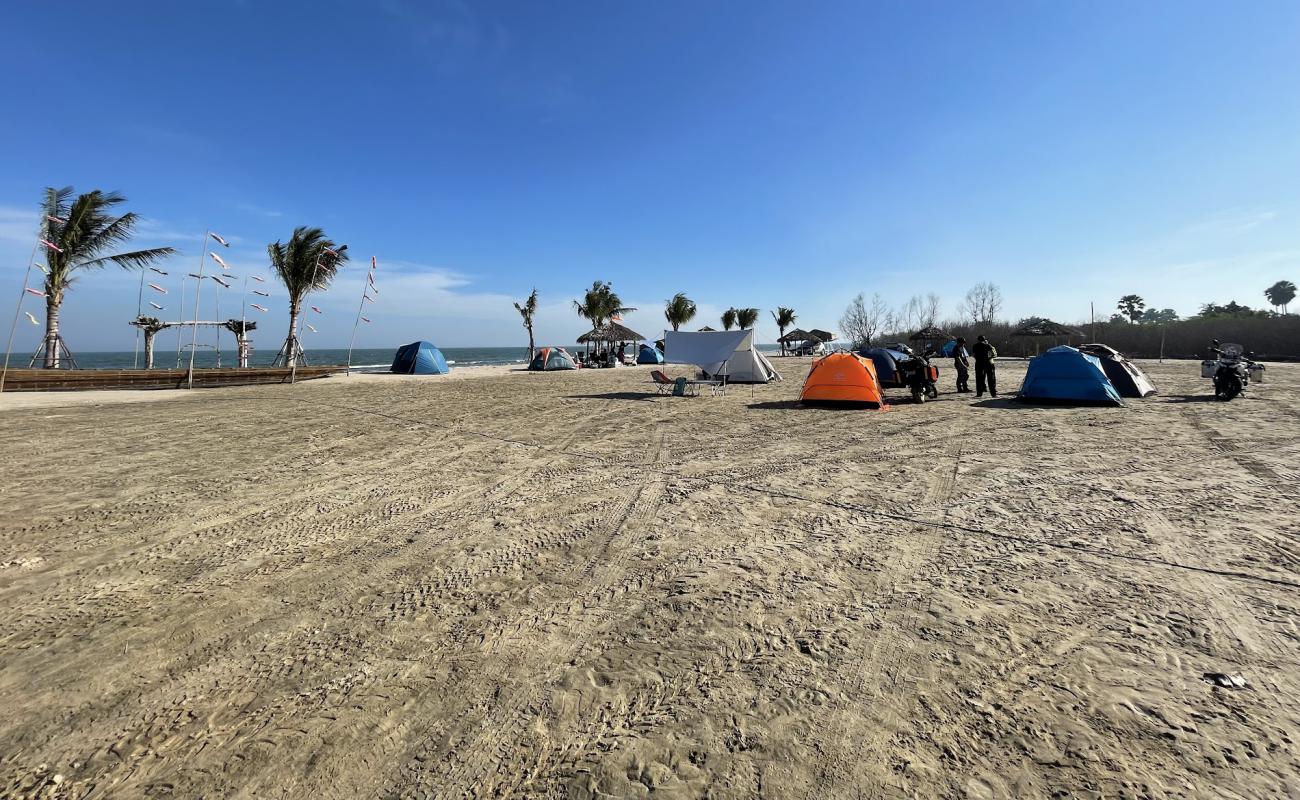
307,263
679,310
82,230
784,318
746,317
1281,294
527,310
1130,305
600,303
729,319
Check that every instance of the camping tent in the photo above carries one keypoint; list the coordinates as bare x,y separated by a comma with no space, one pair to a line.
886,361
1124,375
549,358
649,355
842,378
728,354
1064,375
419,358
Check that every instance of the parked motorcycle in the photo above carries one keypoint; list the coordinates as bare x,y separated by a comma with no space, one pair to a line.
1231,370
918,374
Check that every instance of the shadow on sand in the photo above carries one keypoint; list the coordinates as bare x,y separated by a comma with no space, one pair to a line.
615,396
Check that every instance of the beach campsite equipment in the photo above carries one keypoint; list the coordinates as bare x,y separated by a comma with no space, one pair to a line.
648,354
843,379
1125,376
551,358
728,356
1065,375
419,358
900,367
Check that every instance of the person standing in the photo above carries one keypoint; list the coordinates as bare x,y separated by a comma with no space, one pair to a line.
961,364
986,373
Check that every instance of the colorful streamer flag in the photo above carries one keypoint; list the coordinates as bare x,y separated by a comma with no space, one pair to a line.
220,241
256,278
259,308
30,317
45,270
317,310
220,282
367,297
365,320
155,305
155,269
192,275
371,276
217,259
157,288
374,264
52,246
53,218
261,293
36,292
312,328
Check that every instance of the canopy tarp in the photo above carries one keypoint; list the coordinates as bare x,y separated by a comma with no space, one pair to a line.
708,350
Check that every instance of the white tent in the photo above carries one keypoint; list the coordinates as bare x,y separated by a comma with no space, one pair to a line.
729,354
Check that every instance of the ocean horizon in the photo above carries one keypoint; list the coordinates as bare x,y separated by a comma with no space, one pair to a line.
364,359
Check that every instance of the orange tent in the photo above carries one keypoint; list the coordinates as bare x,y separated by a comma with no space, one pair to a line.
842,378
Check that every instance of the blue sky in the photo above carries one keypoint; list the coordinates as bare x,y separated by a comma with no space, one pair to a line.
747,153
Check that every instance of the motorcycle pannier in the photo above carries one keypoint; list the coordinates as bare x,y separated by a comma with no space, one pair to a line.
1208,368
1257,373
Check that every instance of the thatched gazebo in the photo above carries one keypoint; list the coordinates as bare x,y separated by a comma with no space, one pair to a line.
609,334
931,336
1038,327
707,329
821,335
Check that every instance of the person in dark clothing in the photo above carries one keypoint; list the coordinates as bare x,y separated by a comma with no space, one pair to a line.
961,364
986,373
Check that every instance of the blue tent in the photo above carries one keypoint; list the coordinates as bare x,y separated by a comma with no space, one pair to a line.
1065,375
886,362
419,358
551,358
649,355
948,348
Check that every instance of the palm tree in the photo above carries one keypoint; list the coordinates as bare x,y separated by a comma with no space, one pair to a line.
746,317
1130,305
307,263
600,303
151,326
784,318
80,231
526,311
1281,294
729,319
679,310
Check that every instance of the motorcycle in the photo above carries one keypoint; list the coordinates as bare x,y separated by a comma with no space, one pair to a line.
918,374
1231,371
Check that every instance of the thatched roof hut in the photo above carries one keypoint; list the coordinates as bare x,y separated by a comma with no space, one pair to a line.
796,335
610,332
821,335
930,333
707,329
1045,327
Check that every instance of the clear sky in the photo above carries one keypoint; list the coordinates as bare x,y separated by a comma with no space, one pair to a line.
748,153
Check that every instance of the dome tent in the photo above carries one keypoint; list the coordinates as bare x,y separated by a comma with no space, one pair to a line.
842,379
419,358
551,358
649,355
1065,375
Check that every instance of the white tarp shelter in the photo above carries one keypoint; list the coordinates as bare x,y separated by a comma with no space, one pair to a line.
728,354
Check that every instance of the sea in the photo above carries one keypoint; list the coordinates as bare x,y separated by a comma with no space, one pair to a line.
363,359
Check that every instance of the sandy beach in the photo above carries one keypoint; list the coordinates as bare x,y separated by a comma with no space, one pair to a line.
562,585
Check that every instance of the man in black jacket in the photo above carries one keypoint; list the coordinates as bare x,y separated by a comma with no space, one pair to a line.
986,373
961,363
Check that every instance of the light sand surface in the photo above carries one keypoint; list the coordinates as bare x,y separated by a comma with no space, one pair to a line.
556,585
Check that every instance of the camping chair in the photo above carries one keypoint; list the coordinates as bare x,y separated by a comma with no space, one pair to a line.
662,383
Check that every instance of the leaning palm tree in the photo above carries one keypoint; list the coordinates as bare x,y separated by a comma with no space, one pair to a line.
746,317
1280,295
679,310
784,318
307,263
527,310
729,319
77,233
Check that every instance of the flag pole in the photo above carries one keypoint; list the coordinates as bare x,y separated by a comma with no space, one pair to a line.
243,323
194,329
139,308
180,318
365,287
13,328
